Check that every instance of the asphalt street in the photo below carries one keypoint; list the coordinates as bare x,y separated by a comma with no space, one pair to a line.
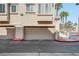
39,48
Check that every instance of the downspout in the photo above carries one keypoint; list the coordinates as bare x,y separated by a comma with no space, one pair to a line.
54,14
8,12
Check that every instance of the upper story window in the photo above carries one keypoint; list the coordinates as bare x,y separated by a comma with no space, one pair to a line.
14,8
30,7
2,8
45,8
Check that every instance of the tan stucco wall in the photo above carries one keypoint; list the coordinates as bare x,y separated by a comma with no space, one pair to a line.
57,25
3,31
3,18
10,34
28,18
19,33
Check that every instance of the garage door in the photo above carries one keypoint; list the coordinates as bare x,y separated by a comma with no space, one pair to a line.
10,34
38,34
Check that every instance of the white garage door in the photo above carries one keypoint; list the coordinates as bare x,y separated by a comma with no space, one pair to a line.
38,34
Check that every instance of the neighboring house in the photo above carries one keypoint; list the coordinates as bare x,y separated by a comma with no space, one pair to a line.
20,21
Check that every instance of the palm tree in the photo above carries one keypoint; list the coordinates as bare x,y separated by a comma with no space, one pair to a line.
64,16
75,24
68,26
78,17
58,6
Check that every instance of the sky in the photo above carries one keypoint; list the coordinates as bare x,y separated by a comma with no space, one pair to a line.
73,11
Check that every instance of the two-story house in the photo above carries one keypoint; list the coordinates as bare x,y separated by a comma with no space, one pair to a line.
28,21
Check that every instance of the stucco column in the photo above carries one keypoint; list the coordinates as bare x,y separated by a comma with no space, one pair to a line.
54,14
19,33
56,35
37,7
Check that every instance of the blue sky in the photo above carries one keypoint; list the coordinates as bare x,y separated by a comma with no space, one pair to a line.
73,11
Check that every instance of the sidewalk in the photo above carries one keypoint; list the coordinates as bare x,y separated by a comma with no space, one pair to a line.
39,54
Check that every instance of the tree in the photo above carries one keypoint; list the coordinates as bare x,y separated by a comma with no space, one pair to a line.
64,16
58,6
78,17
61,26
67,26
75,24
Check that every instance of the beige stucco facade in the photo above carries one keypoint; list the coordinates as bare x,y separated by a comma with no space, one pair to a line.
28,25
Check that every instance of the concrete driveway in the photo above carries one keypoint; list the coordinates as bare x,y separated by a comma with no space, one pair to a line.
39,48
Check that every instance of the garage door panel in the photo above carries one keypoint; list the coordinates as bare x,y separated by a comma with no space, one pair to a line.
38,33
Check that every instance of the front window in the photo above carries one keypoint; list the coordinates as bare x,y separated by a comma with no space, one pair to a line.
30,7
14,8
2,8
45,8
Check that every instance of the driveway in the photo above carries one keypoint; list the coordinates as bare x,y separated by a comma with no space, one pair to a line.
42,47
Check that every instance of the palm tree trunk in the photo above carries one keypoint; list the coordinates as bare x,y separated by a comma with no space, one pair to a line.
57,12
63,19
66,19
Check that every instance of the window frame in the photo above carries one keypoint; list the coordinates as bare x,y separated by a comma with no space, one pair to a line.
3,8
32,7
46,9
11,8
